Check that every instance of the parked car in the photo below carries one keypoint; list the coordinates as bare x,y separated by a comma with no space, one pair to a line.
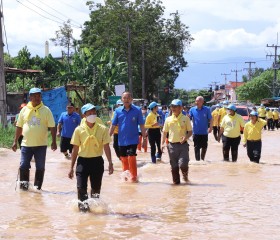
244,111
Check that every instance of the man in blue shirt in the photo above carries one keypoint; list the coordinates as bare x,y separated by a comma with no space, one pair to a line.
127,118
201,118
67,123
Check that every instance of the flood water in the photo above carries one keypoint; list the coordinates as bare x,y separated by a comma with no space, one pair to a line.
223,201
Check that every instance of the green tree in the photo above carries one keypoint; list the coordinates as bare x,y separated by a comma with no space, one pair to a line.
258,88
161,41
64,38
23,59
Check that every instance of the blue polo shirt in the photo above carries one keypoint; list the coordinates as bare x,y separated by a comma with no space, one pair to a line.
200,119
69,123
128,122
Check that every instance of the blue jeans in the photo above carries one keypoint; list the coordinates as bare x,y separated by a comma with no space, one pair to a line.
39,154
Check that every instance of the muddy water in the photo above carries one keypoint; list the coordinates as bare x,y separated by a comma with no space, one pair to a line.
224,200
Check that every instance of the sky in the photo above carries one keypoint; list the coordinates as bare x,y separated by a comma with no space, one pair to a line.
226,33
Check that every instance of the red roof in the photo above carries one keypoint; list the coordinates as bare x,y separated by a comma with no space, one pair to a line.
235,84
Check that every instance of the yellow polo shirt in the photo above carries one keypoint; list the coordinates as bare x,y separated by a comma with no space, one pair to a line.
269,115
275,115
222,113
90,149
253,131
150,120
232,125
177,127
215,116
35,130
261,112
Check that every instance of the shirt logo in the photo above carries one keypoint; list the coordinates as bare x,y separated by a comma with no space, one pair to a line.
34,121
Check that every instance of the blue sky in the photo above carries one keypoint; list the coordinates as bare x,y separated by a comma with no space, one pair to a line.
227,33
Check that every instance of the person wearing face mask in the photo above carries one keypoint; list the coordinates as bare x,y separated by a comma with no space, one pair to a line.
144,115
154,135
252,137
230,128
67,123
89,140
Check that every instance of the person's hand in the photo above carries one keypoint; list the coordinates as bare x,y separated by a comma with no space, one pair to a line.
155,124
58,134
53,146
111,168
210,130
245,145
71,173
14,146
163,146
183,139
218,139
144,143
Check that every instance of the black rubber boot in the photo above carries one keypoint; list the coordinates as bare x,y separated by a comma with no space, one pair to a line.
175,175
197,153
234,155
24,179
185,173
39,177
226,155
82,196
203,153
94,193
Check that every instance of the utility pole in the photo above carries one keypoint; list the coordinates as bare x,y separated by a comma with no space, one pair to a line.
129,61
3,94
249,70
143,72
225,75
215,84
236,71
275,66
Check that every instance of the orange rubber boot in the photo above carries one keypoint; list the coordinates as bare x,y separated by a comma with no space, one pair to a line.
140,143
133,168
125,165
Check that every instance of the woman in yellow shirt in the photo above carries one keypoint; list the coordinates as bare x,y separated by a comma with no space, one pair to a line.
230,128
154,134
252,137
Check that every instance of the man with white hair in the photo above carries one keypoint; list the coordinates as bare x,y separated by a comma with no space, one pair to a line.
202,125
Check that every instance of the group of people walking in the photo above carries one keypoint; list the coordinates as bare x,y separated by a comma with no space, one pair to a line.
84,140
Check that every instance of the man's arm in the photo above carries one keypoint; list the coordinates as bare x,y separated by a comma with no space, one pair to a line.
73,160
18,133
211,126
53,133
143,132
107,151
220,134
111,131
59,126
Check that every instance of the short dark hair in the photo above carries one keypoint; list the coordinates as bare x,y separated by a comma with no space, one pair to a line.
70,104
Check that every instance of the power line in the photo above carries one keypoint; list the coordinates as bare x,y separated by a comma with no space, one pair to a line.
50,13
40,13
58,12
2,10
222,63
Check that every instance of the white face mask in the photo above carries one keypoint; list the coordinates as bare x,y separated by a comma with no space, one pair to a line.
91,118
144,111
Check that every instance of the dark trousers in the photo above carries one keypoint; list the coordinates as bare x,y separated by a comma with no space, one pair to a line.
92,168
275,124
230,144
270,124
216,130
154,140
116,145
200,141
254,149
264,127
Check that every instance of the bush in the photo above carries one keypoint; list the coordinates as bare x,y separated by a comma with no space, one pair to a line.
7,136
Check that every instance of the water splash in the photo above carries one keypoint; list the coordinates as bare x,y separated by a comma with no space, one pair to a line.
126,176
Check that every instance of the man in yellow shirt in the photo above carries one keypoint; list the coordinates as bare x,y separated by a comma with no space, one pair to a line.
230,128
216,125
89,140
154,134
33,123
262,114
223,111
275,118
179,130
269,119
252,137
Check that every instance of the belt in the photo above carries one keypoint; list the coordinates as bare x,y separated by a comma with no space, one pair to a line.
254,140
